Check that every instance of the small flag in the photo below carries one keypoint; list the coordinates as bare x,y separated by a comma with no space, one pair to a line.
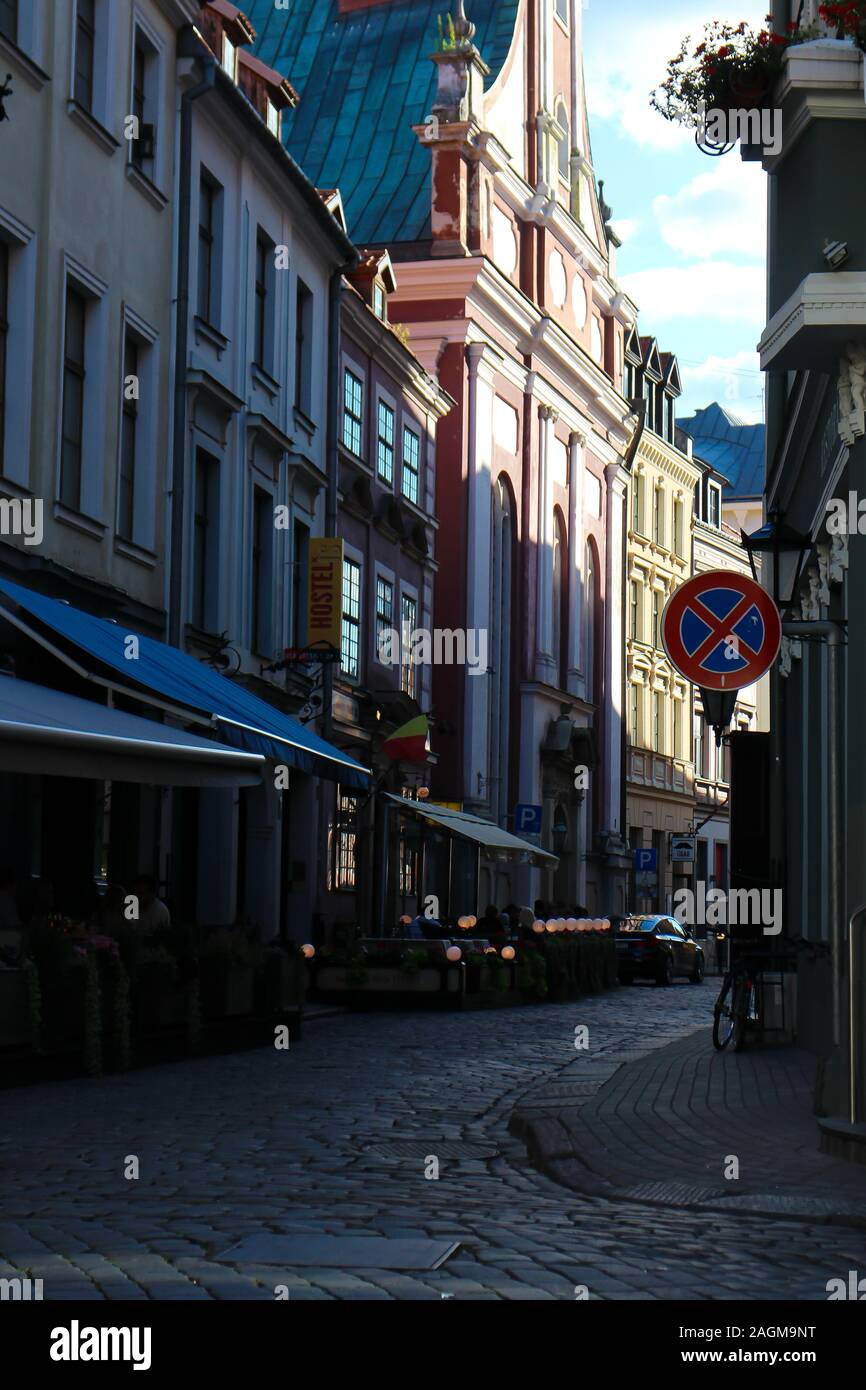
411,742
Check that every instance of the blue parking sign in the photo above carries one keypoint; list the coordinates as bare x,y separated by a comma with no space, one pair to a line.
527,819
645,860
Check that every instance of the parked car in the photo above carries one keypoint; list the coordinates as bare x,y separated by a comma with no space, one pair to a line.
657,948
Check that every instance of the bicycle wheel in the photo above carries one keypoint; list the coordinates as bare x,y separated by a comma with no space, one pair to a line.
743,1003
723,1016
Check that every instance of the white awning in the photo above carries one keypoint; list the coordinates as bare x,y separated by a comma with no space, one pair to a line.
47,731
483,832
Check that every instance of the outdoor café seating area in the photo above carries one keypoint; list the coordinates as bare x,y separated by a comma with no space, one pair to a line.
546,961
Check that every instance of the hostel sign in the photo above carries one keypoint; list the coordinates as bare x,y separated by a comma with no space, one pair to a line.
325,592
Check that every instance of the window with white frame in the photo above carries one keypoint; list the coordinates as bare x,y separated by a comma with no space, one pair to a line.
230,58
73,409
353,411
17,319
635,715
714,505
273,119
265,297
350,650
380,302
262,586
384,610
659,516
678,526
408,619
205,551
209,285
411,463
385,442
130,436
699,745
303,348
634,625
637,503
658,721
658,598
84,86
145,103
678,728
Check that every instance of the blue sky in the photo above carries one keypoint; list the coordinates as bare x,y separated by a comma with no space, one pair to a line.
693,227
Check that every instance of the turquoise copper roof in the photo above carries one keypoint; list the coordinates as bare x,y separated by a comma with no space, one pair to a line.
735,449
365,78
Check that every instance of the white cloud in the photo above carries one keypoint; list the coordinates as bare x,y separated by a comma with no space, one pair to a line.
627,67
723,209
716,290
735,382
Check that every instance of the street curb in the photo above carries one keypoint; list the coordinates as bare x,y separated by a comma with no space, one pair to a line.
550,1150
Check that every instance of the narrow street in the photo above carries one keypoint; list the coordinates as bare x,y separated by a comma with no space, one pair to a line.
332,1137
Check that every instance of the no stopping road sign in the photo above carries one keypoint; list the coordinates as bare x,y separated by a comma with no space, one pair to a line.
721,630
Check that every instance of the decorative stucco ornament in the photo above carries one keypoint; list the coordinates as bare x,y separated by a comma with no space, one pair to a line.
852,393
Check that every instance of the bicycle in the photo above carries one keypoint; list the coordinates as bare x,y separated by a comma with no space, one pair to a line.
739,1006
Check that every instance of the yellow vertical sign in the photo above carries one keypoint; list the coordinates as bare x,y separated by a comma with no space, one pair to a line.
325,590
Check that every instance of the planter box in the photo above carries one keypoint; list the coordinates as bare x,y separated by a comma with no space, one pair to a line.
63,1004
157,1001
227,993
385,979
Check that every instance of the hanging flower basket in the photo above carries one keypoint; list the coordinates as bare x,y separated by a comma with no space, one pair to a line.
733,68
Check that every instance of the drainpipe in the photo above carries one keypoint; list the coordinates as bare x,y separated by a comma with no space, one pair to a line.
834,634
178,465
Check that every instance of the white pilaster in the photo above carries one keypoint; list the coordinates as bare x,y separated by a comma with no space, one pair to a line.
545,667
483,362
616,479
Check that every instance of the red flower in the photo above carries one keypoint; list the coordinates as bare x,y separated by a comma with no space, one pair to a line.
724,50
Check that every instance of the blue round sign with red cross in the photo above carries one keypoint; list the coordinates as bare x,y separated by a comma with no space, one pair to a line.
721,630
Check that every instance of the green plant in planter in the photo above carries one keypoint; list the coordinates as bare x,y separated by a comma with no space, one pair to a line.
532,973
412,959
498,975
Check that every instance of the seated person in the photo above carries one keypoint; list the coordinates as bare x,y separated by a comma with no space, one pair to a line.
153,915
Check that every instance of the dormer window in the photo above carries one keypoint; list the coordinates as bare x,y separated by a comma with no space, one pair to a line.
230,58
273,119
714,505
380,302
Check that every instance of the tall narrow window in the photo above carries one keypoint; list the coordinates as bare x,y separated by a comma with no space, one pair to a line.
589,592
384,610
563,151
714,504
144,99
351,633
659,516
353,398
128,439
385,443
657,605
380,303
4,334
9,19
262,576
263,327
72,440
678,527
678,728
299,583
658,721
303,347
699,746
207,306
205,542
411,455
85,52
637,503
560,601
345,834
635,715
635,610
500,666
408,619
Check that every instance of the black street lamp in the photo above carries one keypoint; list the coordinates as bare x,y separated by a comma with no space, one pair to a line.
788,550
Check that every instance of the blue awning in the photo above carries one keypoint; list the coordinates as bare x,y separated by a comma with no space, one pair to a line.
244,720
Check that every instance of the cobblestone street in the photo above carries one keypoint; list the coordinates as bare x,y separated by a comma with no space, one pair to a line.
331,1137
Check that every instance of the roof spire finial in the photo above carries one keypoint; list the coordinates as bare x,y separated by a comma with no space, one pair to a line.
463,27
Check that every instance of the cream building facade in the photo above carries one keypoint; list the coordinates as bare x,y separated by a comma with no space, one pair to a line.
661,494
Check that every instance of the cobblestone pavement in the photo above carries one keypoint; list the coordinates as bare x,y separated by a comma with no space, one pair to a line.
725,1130
331,1138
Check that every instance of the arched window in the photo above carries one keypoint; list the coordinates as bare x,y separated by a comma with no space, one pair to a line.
564,146
560,598
590,585
501,612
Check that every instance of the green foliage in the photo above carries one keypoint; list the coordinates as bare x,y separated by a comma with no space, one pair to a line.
532,973
447,35
412,959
